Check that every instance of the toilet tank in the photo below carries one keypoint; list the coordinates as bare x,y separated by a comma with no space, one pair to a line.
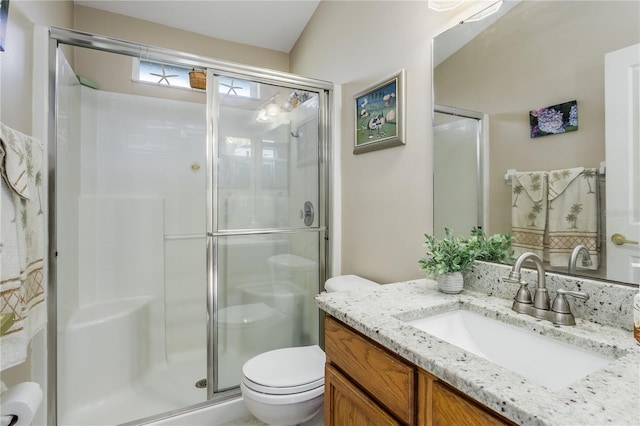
296,269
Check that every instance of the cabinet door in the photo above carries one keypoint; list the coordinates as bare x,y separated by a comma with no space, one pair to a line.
384,376
441,405
345,404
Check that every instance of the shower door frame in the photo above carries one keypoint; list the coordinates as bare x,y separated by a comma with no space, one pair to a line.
62,36
213,231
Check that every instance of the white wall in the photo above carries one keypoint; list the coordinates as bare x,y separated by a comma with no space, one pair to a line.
141,200
386,195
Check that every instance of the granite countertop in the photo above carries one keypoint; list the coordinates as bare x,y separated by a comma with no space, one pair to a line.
609,396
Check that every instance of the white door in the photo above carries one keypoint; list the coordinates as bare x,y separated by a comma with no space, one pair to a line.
622,106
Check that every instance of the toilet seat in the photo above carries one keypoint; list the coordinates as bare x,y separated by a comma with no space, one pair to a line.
282,390
276,400
285,371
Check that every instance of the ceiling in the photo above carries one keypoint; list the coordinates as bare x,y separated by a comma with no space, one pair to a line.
271,24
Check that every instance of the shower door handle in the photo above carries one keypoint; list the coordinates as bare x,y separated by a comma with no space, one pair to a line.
309,213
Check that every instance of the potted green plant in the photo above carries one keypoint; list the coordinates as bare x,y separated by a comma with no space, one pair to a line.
496,248
446,260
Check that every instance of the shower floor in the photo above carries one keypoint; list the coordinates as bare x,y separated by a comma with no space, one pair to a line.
166,387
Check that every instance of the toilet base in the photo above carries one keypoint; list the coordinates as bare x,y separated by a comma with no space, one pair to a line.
304,413
316,420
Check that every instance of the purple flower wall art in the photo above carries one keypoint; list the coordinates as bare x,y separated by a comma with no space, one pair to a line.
553,120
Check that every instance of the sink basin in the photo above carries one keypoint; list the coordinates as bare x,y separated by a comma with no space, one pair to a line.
543,360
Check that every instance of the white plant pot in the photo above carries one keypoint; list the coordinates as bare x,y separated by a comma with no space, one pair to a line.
451,283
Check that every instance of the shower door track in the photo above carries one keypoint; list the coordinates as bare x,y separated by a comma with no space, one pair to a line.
62,36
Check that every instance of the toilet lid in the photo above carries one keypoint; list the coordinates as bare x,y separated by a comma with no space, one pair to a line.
288,370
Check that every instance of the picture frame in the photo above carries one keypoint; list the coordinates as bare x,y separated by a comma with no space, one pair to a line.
379,115
554,119
4,21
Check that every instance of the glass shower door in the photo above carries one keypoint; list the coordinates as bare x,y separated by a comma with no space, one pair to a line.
130,252
266,226
457,172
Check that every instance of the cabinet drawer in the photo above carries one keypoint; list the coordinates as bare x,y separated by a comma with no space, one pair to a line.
382,374
450,408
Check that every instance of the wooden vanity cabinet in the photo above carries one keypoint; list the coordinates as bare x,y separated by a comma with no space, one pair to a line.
366,384
389,381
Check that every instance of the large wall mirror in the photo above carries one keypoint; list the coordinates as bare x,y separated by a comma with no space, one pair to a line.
509,68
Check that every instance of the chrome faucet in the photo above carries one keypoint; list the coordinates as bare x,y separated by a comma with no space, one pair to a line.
586,258
558,313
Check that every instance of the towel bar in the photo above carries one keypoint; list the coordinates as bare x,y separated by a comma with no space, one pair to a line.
508,176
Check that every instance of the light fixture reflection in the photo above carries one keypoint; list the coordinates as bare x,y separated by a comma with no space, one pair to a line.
262,116
273,109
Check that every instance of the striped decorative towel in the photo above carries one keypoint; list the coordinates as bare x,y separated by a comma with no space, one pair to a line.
21,242
529,212
573,214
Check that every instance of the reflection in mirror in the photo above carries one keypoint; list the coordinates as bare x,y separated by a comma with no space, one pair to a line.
459,141
531,55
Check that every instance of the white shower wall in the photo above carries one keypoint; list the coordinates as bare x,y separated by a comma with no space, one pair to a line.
142,212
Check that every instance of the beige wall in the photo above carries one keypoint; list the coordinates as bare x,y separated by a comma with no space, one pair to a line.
387,194
113,72
527,68
16,62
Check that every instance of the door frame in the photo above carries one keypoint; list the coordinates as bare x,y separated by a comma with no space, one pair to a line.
213,229
621,77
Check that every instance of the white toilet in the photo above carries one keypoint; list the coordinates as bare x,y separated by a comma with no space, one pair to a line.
285,387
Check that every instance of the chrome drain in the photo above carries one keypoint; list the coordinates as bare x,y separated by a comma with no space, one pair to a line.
202,383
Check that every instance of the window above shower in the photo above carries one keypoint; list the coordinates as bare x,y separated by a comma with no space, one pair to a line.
160,74
177,76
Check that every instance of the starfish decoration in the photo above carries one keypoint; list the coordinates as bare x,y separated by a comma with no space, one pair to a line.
164,76
231,87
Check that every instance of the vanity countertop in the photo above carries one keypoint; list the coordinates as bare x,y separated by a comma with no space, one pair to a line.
609,396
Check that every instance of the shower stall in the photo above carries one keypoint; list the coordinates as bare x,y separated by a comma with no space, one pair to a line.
188,227
459,154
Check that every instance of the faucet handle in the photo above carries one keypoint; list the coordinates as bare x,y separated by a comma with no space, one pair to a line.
523,295
514,277
560,303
